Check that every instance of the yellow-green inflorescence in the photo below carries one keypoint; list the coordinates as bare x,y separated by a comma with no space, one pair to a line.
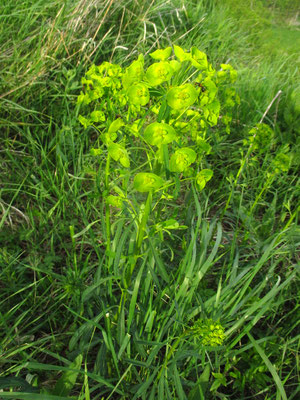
168,108
208,332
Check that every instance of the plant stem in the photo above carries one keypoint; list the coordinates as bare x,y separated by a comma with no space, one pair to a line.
107,209
140,237
143,223
266,185
173,348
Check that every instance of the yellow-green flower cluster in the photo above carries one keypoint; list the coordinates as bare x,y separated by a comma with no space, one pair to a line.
260,137
98,78
164,105
209,332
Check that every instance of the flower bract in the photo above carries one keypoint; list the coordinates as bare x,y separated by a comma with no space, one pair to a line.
203,177
134,73
182,96
118,153
159,133
181,54
159,72
199,59
161,54
146,181
181,159
138,94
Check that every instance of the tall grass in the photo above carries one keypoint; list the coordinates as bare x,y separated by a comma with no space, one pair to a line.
66,330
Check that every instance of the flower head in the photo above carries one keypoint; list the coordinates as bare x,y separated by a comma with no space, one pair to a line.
159,72
209,332
138,94
182,96
182,159
159,133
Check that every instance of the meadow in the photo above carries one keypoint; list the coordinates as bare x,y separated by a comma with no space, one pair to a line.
149,245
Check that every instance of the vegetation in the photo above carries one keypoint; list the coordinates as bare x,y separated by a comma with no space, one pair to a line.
149,243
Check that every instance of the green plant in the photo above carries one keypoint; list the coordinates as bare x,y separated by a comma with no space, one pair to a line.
163,119
62,291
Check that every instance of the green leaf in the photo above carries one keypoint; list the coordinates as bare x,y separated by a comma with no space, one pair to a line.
159,262
118,153
16,382
219,381
181,54
32,396
175,65
228,70
203,146
295,99
270,366
143,387
96,152
84,121
203,177
161,54
163,112
211,88
182,96
159,133
199,59
134,295
115,201
124,344
214,107
97,116
146,181
159,72
181,159
134,129
66,383
109,137
138,94
178,384
115,125
134,73
169,224
198,392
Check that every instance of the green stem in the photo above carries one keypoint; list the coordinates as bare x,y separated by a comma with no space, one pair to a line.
74,249
234,186
267,184
107,209
139,238
173,348
143,223
166,159
295,213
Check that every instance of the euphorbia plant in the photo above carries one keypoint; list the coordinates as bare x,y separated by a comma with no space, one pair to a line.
155,126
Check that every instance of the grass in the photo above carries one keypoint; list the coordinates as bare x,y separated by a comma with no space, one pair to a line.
67,328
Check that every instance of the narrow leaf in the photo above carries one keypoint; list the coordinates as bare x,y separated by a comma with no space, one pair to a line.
66,383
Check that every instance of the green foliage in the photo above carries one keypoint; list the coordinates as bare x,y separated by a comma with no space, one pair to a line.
260,138
92,267
203,177
66,383
119,99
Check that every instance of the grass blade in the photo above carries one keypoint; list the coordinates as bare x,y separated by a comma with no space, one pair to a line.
269,365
